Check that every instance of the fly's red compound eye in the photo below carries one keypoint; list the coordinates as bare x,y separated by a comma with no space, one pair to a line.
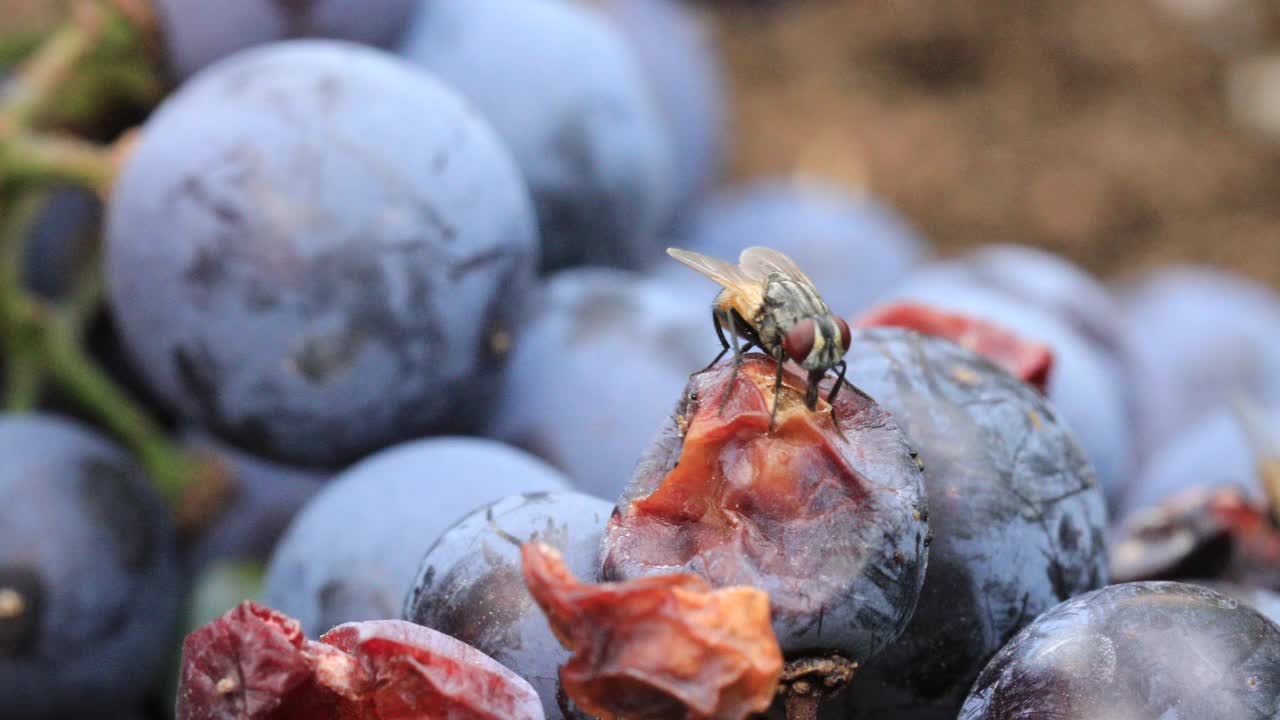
846,338
799,340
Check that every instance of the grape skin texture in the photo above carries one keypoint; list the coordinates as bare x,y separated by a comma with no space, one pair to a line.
91,551
353,552
565,91
1017,517
199,32
470,585
1139,651
304,271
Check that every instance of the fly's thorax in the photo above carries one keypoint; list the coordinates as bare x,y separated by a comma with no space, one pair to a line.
787,302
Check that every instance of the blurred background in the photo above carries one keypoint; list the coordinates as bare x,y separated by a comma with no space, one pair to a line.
1121,133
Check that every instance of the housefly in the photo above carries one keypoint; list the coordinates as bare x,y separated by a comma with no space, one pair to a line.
770,303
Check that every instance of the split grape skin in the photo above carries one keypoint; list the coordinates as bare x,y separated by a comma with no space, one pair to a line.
658,648
254,663
1028,361
470,585
829,520
1140,651
1017,516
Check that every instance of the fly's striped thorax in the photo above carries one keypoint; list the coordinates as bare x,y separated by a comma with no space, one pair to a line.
786,302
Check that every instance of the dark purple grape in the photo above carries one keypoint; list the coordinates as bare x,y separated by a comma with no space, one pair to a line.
197,32
267,496
89,587
471,586
1194,338
600,359
1139,651
61,241
1086,384
823,510
305,272
1016,513
566,93
353,552
680,60
854,247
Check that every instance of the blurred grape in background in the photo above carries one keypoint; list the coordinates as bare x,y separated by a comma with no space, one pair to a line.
289,288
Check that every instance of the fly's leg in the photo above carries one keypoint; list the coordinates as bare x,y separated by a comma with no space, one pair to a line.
724,344
777,385
737,361
811,394
835,390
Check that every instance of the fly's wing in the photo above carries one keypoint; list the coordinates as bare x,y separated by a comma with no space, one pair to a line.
762,262
745,291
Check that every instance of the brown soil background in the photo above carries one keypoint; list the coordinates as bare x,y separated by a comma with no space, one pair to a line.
1095,128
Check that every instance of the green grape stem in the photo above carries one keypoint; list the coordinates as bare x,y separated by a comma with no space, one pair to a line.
44,341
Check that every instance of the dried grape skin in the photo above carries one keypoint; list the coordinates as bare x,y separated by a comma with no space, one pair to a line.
839,544
1028,361
660,647
1140,651
254,663
470,584
1016,513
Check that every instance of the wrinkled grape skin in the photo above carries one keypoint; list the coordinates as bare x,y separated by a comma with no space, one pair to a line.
470,584
1140,651
855,554
198,32
602,356
1016,513
300,269
353,552
566,93
853,247
89,547
680,59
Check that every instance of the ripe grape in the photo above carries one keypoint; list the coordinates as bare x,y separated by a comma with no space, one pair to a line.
1016,512
1144,651
352,553
196,32
601,358
316,251
564,89
470,585
89,587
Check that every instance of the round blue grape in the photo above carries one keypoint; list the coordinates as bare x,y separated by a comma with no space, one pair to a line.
853,247
565,91
680,59
1195,337
198,32
316,251
353,552
597,370
1140,651
89,581
471,583
1086,386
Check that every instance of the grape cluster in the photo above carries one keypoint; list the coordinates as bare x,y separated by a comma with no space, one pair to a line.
359,364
